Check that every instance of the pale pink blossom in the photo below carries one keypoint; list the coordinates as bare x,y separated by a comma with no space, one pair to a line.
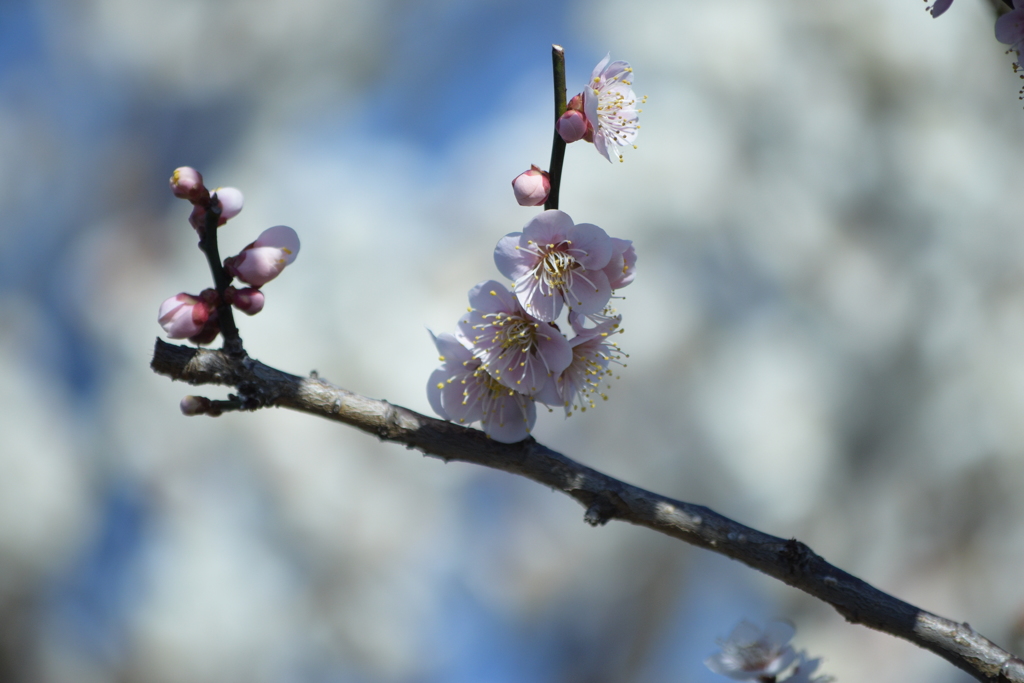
264,259
572,125
231,200
532,187
183,316
592,351
621,268
749,653
462,391
553,261
610,106
517,350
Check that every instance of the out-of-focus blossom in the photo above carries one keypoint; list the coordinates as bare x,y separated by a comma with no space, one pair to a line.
517,350
621,268
187,183
231,200
572,125
749,653
610,106
592,351
183,315
248,300
264,259
939,7
462,391
1010,30
804,668
554,261
532,187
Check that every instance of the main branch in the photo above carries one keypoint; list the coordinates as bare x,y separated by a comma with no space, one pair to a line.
604,498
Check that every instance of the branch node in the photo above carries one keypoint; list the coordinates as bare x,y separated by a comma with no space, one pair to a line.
599,512
796,556
389,424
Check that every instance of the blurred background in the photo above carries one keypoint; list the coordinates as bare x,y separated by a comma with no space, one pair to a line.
826,335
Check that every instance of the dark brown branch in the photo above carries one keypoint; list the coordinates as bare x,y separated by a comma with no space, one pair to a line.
603,497
557,144
221,278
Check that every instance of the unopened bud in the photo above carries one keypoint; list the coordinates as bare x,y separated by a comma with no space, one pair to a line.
183,316
572,125
194,405
532,187
187,183
231,200
248,300
264,259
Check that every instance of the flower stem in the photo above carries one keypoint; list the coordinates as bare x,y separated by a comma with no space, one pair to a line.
221,278
558,144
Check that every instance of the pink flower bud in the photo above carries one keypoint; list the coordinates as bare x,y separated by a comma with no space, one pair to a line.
187,183
194,405
248,300
532,187
183,316
230,202
264,259
572,125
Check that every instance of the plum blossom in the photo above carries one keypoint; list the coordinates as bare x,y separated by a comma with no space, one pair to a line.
515,348
749,654
532,187
264,259
552,261
462,391
183,315
621,268
610,106
592,351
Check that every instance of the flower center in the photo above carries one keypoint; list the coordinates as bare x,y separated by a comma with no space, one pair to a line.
557,265
512,332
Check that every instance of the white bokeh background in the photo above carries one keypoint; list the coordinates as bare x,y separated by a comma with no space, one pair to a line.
826,335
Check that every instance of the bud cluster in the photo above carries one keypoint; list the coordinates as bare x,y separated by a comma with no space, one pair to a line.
510,351
195,317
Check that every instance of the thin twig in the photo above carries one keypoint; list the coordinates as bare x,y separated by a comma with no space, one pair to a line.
557,144
603,497
221,277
